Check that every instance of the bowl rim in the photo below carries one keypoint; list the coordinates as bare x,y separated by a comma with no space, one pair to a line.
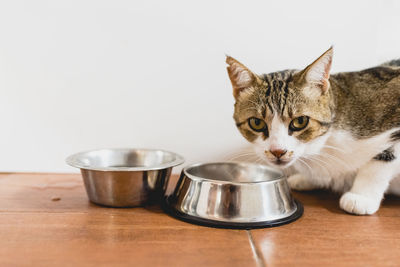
199,178
72,160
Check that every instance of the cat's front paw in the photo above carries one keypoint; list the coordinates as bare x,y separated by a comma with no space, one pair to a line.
358,204
300,183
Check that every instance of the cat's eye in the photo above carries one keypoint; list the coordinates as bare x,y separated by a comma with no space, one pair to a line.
298,123
257,125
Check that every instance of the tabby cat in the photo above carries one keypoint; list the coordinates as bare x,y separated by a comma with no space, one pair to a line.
339,131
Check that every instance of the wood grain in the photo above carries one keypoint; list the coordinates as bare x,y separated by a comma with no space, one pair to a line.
46,219
35,230
326,236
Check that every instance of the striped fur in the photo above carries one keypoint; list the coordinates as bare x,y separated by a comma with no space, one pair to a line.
351,138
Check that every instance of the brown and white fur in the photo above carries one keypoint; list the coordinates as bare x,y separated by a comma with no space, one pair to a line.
351,143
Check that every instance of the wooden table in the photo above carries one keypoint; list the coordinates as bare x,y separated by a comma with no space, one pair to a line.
46,220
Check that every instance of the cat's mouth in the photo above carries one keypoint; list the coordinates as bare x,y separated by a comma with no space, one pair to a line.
281,163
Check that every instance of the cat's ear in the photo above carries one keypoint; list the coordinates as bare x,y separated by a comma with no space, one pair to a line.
241,77
317,73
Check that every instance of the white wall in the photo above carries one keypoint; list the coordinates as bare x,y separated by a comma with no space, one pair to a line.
78,75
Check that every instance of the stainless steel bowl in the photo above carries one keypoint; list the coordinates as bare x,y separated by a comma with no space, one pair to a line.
233,195
125,177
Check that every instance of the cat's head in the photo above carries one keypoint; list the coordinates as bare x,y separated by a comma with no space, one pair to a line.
286,114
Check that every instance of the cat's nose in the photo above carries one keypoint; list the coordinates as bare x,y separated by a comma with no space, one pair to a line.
278,153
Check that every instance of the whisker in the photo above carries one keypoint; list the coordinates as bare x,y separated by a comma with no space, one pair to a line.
308,166
241,156
333,147
323,166
338,160
240,152
259,161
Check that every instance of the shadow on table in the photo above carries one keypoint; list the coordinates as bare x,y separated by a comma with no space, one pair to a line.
319,198
330,201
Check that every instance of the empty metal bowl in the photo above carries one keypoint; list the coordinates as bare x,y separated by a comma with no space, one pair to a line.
233,195
125,177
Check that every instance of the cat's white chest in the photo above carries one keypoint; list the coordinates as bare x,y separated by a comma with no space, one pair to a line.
336,164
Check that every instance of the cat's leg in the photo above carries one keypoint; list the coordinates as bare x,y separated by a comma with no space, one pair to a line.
300,182
394,187
308,177
370,184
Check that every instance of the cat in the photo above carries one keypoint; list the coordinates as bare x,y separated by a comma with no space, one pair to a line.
338,132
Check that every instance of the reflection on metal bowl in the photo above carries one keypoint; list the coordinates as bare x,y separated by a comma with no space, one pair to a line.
125,177
233,195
